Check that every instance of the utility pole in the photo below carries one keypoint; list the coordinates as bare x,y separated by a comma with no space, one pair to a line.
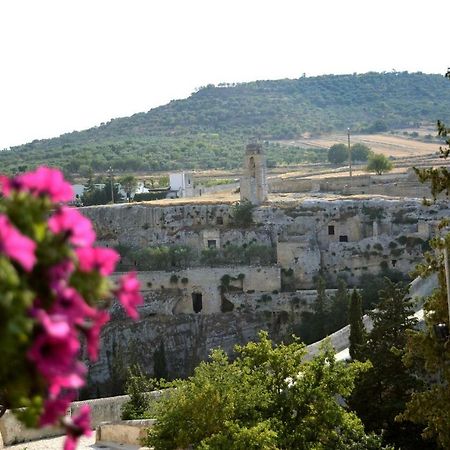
447,278
110,171
349,152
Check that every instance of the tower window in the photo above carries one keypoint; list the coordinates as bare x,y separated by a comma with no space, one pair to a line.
252,167
212,243
343,238
331,230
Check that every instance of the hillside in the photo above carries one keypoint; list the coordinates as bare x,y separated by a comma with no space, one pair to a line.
210,128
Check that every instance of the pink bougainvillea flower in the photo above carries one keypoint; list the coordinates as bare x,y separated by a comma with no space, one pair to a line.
77,227
129,294
78,425
55,408
92,330
15,245
97,258
44,181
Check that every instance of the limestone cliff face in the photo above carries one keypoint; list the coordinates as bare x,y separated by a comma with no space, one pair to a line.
178,342
188,312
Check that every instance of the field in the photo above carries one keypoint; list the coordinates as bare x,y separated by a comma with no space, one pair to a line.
397,146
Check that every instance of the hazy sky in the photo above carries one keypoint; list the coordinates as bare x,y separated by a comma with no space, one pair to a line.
72,64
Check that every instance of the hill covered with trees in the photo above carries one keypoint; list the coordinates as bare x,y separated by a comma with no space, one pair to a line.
210,128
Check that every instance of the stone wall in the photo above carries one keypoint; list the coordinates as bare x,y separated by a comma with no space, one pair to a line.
207,282
396,185
102,410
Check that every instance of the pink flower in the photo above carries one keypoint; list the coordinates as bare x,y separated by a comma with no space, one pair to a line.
70,221
54,356
129,294
55,408
8,185
56,325
70,304
15,245
97,258
72,379
45,181
92,331
59,274
78,425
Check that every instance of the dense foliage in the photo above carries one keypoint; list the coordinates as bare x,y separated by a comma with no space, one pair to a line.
382,392
429,354
211,127
268,398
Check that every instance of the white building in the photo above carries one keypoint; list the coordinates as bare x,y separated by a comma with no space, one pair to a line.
182,183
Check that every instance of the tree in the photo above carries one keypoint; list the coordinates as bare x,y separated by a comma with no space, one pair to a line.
379,164
429,350
338,316
137,386
99,195
338,154
429,353
382,392
242,213
316,323
357,330
129,185
360,152
268,398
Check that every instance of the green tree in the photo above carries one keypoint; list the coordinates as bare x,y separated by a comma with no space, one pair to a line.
99,195
360,152
136,386
338,154
357,331
242,213
316,323
379,164
129,185
340,302
160,363
267,398
429,354
381,393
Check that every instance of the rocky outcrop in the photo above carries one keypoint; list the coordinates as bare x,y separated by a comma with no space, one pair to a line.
175,343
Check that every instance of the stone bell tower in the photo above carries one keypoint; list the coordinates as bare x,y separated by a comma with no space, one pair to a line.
254,181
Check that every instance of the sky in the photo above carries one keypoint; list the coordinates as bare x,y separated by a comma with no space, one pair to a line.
72,64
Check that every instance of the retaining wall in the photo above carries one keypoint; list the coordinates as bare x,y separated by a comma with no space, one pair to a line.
102,410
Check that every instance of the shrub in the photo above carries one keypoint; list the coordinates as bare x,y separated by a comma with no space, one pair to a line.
338,154
242,214
136,386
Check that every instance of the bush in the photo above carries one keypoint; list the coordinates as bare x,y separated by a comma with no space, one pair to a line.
137,385
338,154
360,152
379,164
242,214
